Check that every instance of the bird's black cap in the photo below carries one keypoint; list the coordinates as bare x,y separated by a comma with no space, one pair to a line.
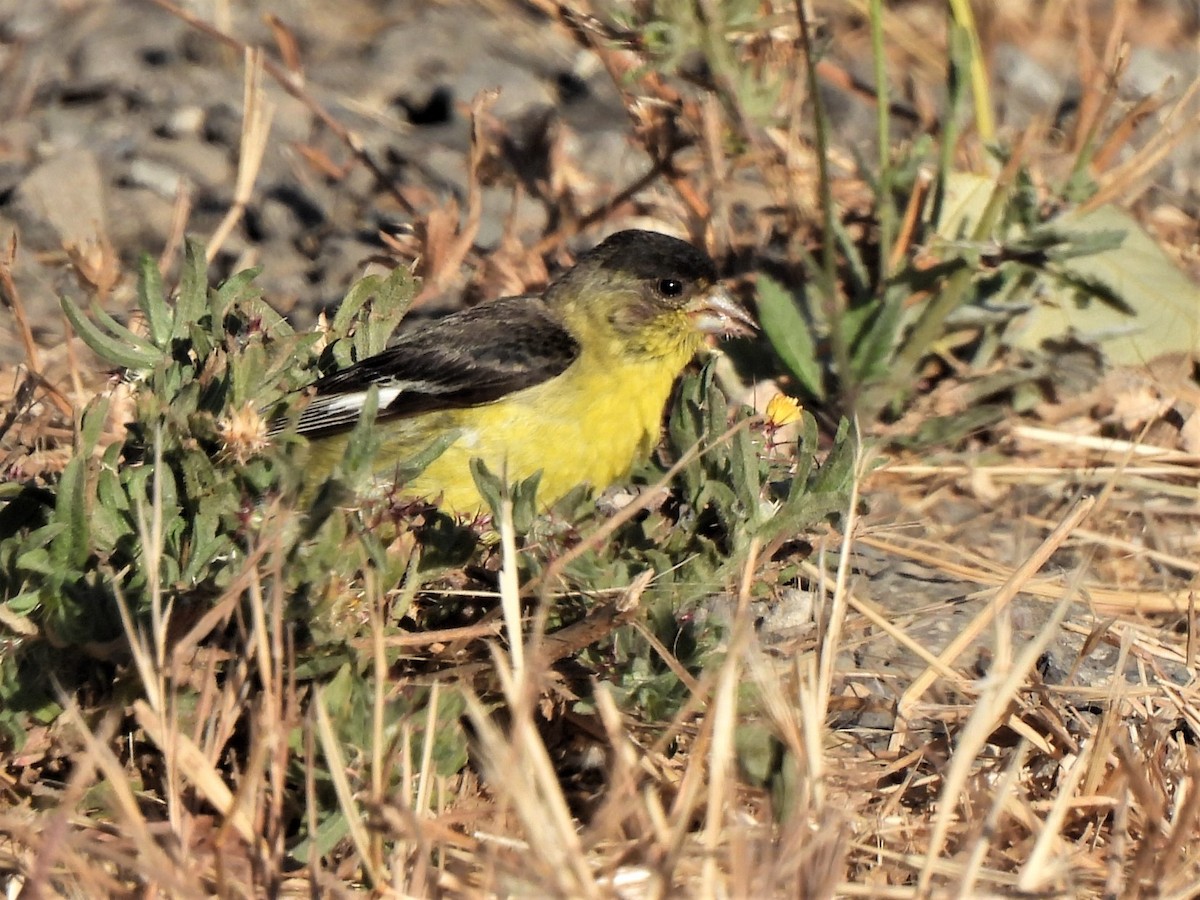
649,255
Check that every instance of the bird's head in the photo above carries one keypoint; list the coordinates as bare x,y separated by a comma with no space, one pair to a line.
653,294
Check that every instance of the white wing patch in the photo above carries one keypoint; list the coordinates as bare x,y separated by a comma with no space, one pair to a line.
386,396
339,409
338,403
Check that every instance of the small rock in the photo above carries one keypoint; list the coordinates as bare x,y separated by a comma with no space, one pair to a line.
1150,70
186,121
205,165
223,125
791,615
159,177
61,203
1025,88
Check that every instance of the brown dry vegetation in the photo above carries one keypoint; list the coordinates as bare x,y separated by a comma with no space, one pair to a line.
988,687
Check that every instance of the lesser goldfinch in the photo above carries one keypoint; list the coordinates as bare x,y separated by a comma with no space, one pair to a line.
572,383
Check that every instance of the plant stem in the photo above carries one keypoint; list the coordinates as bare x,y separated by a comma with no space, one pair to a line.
883,201
984,120
831,295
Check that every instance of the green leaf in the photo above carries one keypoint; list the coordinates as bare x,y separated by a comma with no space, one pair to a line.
37,561
1159,312
685,430
362,443
837,470
124,349
152,301
526,508
393,297
199,476
745,469
491,488
240,289
759,752
24,603
523,494
92,426
71,547
1126,297
385,302
330,832
949,431
410,468
873,348
790,334
356,298
192,302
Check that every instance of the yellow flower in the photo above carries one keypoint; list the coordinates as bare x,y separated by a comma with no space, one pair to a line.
783,410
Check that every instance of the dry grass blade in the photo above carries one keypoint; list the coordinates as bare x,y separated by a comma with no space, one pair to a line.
1005,789
360,833
723,719
1015,583
837,612
181,210
200,772
510,589
1119,181
520,771
680,671
152,858
257,113
598,623
1103,445
1037,872
990,711
983,572
11,298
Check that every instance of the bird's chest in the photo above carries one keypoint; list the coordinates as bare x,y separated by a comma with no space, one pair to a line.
590,425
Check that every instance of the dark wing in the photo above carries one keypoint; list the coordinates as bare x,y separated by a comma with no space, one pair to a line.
466,359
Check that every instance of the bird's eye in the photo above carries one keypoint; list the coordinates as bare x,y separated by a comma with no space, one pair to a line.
670,287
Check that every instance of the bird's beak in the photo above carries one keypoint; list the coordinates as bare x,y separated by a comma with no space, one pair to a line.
716,312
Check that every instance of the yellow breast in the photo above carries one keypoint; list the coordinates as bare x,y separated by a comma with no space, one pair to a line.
588,426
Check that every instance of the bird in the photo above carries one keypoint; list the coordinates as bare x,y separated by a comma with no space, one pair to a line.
572,383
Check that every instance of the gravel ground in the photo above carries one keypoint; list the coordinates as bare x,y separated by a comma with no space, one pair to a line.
120,105
112,108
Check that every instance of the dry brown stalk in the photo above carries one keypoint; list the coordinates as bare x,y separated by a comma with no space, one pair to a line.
257,113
